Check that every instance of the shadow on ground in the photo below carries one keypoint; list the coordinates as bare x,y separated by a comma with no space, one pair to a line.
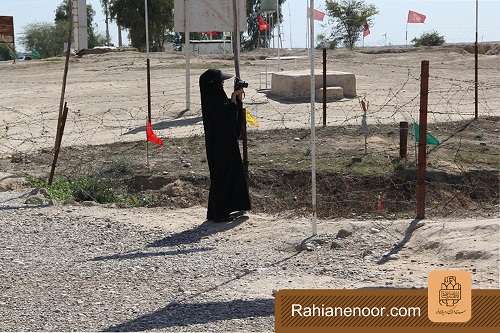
176,314
167,124
141,254
414,225
198,233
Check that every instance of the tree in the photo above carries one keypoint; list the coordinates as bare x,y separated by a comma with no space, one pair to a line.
429,39
62,18
46,38
6,52
129,14
255,38
105,8
347,18
324,42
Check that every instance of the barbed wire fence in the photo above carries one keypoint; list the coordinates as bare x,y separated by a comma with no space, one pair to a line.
116,118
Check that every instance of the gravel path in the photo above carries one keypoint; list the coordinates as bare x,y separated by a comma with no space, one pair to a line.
66,268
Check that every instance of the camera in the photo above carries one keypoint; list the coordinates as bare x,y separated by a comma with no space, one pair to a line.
240,84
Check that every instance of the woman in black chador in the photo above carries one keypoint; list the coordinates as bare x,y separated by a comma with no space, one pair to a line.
222,123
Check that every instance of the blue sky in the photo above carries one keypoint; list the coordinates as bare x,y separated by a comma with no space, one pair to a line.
453,18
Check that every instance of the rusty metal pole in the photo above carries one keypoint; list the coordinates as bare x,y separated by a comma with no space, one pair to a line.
61,123
63,110
14,42
324,87
403,140
476,67
422,144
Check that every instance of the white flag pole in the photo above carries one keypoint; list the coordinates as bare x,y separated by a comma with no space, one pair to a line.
279,33
313,120
290,19
307,24
187,50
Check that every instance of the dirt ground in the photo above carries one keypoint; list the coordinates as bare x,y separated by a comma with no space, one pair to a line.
462,172
140,255
106,93
65,268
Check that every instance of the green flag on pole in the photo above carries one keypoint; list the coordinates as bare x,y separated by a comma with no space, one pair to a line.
35,55
431,140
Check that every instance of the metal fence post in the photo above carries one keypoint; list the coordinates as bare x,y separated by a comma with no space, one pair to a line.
403,140
422,144
324,87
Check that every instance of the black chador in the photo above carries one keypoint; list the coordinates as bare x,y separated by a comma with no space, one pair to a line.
222,124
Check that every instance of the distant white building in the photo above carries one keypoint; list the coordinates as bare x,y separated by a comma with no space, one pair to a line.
215,46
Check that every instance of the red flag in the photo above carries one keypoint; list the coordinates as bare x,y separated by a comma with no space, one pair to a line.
212,33
366,29
414,17
263,25
151,136
318,15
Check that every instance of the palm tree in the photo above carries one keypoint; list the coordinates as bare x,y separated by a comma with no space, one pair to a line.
105,7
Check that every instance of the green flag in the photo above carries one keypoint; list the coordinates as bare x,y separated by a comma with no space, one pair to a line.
35,55
431,140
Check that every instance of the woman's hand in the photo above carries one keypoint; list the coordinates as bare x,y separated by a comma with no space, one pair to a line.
237,96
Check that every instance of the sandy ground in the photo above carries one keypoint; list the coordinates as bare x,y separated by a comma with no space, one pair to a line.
107,94
92,268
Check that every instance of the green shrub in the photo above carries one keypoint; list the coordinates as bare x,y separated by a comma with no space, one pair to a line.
429,39
60,190
81,189
47,38
118,167
93,189
5,52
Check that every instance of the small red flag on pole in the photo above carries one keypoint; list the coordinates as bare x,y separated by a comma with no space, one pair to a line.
366,30
263,25
414,17
318,15
151,136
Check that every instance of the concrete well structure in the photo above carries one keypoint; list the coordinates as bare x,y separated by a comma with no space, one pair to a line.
297,84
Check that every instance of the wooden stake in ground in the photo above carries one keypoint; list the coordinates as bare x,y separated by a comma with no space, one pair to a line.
364,122
403,140
63,112
60,130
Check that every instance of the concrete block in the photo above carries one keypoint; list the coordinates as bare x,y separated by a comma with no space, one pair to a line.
297,84
332,94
